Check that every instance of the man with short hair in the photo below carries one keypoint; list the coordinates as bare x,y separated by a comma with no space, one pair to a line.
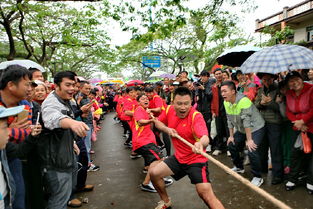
14,88
36,74
180,118
218,112
82,100
57,145
245,118
204,97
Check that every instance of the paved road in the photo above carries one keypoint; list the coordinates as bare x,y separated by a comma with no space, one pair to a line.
117,182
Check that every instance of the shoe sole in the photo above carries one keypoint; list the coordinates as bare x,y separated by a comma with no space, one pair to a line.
93,170
147,190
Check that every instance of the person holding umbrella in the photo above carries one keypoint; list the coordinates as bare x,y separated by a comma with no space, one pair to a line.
266,103
300,112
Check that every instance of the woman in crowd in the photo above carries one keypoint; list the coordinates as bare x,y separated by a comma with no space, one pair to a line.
300,112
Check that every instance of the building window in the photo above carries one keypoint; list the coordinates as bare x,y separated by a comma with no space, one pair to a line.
310,33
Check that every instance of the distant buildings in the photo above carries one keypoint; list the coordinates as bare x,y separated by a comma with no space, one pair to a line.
298,17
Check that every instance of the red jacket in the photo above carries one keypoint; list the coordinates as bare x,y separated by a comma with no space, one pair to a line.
301,107
215,100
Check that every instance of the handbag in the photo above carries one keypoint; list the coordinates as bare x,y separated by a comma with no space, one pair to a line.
307,146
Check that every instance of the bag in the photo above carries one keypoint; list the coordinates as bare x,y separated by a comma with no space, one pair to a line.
213,133
307,146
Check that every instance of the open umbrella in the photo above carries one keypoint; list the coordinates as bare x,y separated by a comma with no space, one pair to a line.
157,73
134,82
168,75
234,57
95,80
24,63
279,58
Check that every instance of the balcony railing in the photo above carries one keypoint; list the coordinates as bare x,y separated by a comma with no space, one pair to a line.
285,14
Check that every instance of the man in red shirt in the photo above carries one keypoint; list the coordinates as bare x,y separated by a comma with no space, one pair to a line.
183,120
144,142
157,105
129,107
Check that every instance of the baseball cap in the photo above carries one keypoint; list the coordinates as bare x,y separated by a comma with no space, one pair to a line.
6,112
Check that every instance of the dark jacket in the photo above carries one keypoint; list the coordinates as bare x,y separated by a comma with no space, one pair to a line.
8,178
205,97
269,111
55,145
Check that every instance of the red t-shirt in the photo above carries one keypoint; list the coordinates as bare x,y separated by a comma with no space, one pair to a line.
183,126
156,102
129,105
142,135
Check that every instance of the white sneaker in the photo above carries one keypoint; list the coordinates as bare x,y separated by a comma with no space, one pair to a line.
246,161
238,170
208,148
168,181
257,181
217,152
228,154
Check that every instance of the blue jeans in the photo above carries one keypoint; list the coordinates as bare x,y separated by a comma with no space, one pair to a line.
15,166
87,140
58,186
236,151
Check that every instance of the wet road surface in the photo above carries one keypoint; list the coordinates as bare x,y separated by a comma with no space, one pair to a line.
117,182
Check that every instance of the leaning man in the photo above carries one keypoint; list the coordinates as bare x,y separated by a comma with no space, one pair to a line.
180,118
57,145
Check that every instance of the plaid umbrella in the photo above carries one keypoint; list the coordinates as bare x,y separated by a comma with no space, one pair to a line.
279,58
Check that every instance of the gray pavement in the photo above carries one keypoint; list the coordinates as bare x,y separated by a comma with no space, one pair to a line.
117,182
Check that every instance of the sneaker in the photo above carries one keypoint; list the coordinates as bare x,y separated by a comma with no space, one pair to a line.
228,154
86,188
209,148
163,205
93,167
257,181
246,160
144,170
135,156
128,145
277,180
217,152
238,170
290,186
309,187
168,181
148,187
74,203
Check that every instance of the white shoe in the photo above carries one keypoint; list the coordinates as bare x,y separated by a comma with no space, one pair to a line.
246,161
168,181
228,154
238,170
217,152
208,148
257,181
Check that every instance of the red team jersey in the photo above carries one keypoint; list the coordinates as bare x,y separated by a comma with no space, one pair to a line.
191,128
130,105
156,102
142,135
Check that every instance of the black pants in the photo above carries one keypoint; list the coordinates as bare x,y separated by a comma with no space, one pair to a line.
220,141
167,143
125,126
300,160
83,166
272,141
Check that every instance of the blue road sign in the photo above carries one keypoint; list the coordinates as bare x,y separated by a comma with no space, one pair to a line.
151,61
